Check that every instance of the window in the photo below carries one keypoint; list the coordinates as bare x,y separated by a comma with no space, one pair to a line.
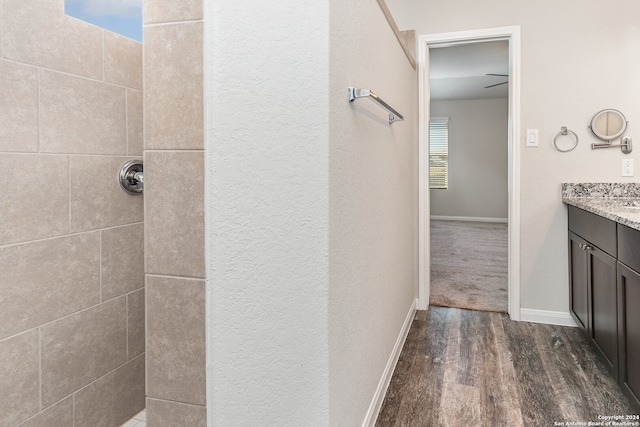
119,16
439,153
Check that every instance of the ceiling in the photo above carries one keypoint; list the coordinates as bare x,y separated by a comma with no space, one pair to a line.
460,71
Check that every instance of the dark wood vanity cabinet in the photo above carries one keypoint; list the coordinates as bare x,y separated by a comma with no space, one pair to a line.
579,287
629,312
604,261
592,268
603,330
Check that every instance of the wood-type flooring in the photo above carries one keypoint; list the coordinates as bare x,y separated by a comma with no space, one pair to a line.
471,368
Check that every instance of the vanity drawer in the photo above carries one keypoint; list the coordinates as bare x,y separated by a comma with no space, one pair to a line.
597,230
629,246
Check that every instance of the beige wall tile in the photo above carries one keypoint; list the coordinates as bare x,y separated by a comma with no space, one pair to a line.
37,32
19,384
174,217
161,413
155,11
112,399
81,116
48,279
35,197
18,107
122,60
122,260
173,106
135,323
135,142
58,415
97,200
80,348
176,339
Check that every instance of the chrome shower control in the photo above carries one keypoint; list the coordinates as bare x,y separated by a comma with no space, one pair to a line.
131,177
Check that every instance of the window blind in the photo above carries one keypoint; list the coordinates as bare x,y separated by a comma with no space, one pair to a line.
439,152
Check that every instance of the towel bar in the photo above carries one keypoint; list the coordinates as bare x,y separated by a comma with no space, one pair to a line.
355,93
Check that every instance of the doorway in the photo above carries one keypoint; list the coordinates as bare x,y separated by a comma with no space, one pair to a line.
468,163
432,41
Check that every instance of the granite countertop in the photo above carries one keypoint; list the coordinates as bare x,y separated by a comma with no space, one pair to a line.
615,201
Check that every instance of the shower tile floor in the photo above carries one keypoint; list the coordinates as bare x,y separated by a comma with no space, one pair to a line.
138,420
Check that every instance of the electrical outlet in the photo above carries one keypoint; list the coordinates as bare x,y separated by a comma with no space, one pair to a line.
627,167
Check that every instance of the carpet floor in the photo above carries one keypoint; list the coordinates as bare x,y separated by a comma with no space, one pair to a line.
469,265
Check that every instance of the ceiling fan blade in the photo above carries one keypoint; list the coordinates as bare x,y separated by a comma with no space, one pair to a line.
503,83
499,75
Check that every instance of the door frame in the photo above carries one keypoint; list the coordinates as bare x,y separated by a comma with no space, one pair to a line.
425,42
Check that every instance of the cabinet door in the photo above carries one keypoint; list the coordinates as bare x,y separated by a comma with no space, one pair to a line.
603,328
578,285
629,332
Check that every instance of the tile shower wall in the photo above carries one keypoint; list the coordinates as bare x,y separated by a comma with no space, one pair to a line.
71,241
174,212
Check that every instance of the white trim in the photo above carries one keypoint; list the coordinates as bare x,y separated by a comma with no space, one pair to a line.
424,248
512,34
468,218
381,391
549,317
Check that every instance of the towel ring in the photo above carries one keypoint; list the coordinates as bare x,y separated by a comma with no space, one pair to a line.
565,131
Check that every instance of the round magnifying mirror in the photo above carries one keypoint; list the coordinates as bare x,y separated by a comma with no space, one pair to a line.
608,124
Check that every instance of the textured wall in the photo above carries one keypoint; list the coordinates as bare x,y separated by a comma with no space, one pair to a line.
372,205
478,145
174,213
71,241
267,215
577,59
310,210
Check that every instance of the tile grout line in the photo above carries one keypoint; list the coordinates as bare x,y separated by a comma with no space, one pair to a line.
126,122
126,323
52,70
146,335
69,194
70,314
44,153
40,365
103,59
1,42
73,408
39,106
169,276
162,24
75,233
101,377
100,266
159,399
174,150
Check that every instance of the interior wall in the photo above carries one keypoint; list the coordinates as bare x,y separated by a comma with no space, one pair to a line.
71,240
577,59
310,210
174,212
478,159
372,208
267,136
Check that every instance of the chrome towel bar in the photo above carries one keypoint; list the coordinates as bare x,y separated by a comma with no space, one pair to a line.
355,93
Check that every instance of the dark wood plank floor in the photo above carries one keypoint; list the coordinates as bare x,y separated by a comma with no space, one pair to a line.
472,368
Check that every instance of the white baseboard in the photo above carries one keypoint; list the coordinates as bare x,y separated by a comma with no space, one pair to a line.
550,317
378,397
468,218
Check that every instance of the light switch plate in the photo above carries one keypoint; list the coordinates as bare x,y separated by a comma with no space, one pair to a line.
627,167
532,137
